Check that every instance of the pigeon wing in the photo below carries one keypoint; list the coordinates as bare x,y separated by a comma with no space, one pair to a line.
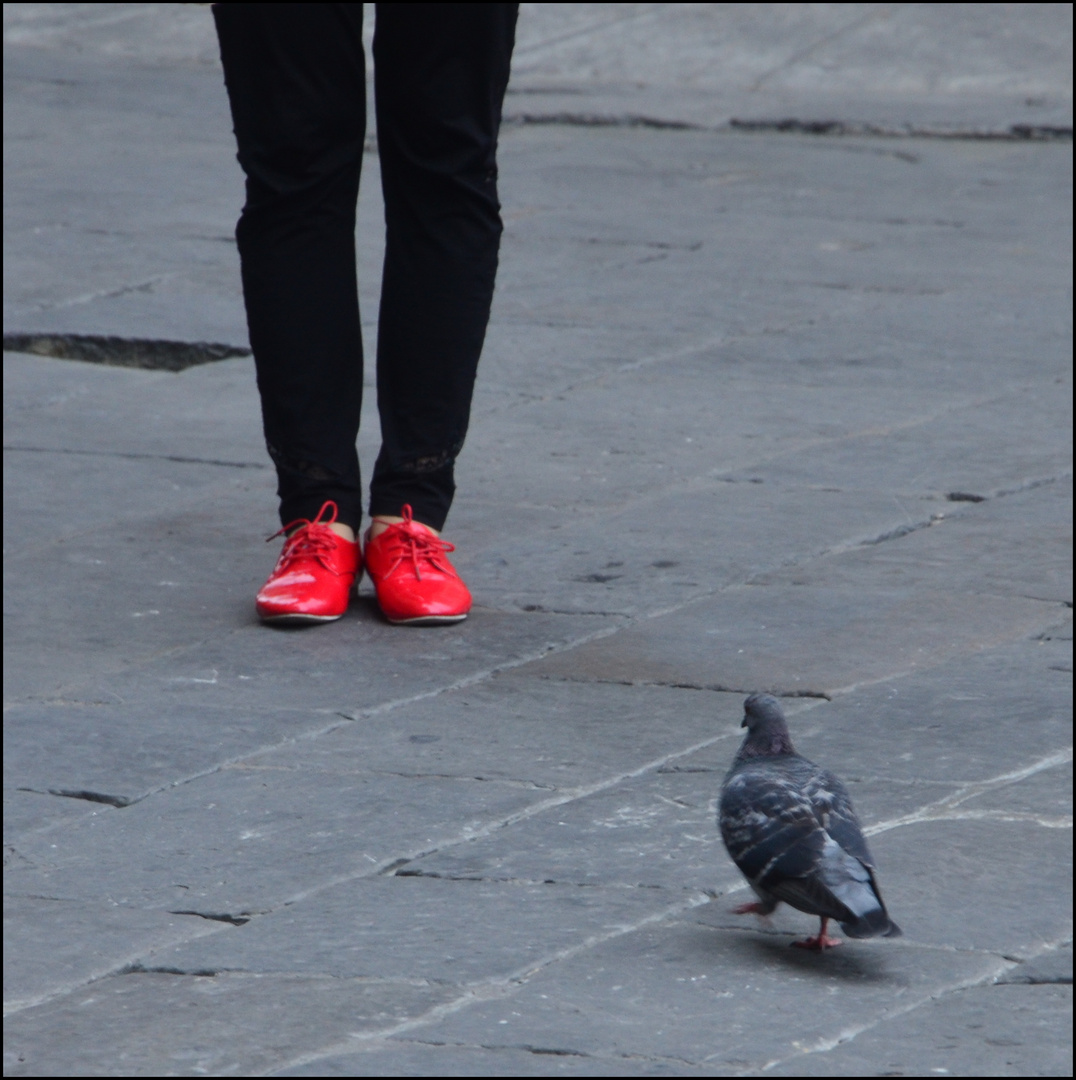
847,867
770,829
833,809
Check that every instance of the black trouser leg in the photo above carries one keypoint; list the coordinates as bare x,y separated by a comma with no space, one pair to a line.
296,82
440,74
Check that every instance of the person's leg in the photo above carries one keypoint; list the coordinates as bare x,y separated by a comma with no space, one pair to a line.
296,82
440,75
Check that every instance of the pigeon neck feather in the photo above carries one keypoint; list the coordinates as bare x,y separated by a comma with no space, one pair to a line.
767,742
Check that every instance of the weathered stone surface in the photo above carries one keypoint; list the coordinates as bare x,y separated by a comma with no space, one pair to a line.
796,639
1051,967
958,69
629,561
54,946
1046,796
161,1024
960,885
554,737
726,372
978,1031
26,810
704,64
249,839
657,832
707,996
413,1057
967,450
816,627
994,721
447,932
355,664
205,414
124,752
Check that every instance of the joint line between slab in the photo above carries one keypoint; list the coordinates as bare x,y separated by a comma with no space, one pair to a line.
942,809
825,1045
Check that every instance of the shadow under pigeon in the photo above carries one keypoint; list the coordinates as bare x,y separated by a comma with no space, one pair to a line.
845,962
746,946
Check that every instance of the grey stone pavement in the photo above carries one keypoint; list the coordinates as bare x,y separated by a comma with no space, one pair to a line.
776,395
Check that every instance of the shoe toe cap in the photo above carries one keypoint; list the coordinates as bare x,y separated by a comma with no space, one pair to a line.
447,599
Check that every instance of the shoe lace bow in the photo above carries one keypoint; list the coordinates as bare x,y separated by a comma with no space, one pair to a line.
417,545
422,546
310,539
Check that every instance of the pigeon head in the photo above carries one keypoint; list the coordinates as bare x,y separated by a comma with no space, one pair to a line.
767,732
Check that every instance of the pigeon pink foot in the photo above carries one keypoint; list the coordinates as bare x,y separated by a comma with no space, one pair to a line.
753,908
820,943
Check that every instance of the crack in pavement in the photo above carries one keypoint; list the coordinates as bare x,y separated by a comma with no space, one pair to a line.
234,920
791,125
118,801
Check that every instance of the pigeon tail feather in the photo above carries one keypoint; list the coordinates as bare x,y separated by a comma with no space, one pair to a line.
876,924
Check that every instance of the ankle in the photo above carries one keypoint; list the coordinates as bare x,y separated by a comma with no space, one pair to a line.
384,521
344,531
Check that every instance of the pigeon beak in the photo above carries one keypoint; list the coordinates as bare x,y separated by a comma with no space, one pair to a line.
743,722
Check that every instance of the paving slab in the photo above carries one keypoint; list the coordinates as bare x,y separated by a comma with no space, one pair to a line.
657,832
928,64
102,489
423,928
801,640
554,737
241,841
158,1024
728,237
967,450
52,946
978,1031
992,723
182,578
130,594
628,561
816,627
25,811
1052,968
123,753
970,548
359,664
924,65
685,992
928,748
205,414
637,432
1046,796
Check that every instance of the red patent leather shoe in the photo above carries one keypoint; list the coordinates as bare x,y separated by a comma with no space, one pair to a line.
416,584
314,576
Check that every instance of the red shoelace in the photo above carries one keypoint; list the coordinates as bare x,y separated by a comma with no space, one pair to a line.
312,540
419,545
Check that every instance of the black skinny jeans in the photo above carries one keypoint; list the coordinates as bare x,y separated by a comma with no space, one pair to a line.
296,81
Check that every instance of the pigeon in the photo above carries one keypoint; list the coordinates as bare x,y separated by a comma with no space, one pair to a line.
790,828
